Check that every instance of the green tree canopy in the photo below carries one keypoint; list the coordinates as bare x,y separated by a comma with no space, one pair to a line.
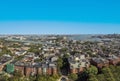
92,70
73,77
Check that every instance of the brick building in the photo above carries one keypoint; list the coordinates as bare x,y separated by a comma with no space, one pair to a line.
78,63
20,68
114,60
36,68
30,70
99,62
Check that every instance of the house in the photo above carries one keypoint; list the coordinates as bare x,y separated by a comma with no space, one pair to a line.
78,63
99,62
5,59
49,68
75,67
114,60
43,68
30,70
54,58
19,66
19,53
53,67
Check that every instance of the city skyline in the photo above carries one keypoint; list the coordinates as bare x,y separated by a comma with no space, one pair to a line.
59,17
46,27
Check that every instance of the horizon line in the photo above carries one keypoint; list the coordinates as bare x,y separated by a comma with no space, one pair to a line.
63,34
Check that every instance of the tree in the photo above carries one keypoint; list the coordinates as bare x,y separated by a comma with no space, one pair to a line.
92,70
101,77
32,78
83,76
65,56
108,74
60,62
4,78
73,77
5,50
63,50
56,76
18,74
35,48
46,78
92,78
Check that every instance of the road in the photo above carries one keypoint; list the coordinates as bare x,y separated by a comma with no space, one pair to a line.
65,77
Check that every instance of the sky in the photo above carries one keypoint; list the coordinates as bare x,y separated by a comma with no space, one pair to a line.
59,16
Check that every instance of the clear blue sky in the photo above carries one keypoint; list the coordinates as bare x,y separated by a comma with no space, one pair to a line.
59,16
